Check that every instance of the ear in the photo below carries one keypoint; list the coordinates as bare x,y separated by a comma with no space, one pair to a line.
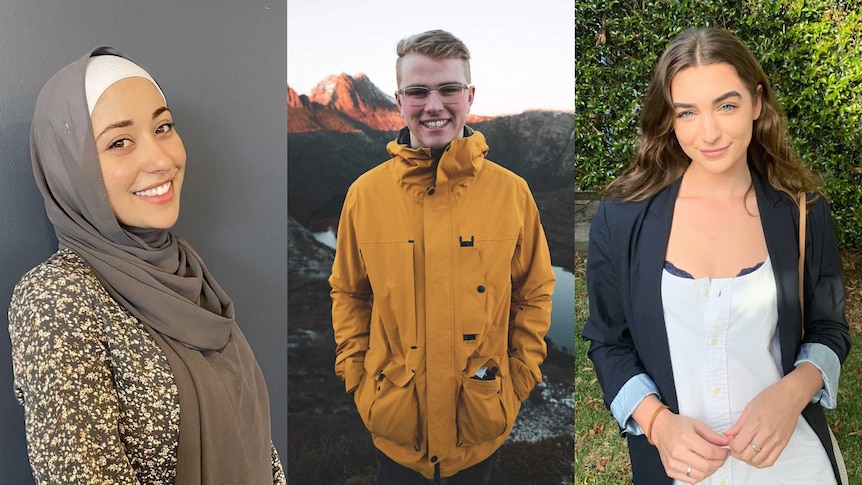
758,104
470,95
400,106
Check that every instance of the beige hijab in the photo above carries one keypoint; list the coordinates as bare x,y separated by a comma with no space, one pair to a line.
224,408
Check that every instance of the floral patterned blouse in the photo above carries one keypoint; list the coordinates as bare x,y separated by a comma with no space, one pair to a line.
100,402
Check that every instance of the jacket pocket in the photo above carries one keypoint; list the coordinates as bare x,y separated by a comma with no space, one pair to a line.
363,396
522,379
482,414
390,409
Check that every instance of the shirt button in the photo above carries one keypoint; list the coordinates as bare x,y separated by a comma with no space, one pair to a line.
713,342
480,289
717,390
704,292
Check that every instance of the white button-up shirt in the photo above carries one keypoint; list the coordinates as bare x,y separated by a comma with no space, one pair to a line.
724,348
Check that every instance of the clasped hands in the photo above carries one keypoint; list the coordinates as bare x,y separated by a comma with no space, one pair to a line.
691,451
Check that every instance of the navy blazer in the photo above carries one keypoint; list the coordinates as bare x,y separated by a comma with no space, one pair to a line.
626,327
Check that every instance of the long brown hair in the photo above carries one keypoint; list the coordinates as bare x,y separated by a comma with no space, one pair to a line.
660,160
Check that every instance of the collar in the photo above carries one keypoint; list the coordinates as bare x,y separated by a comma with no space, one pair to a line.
418,169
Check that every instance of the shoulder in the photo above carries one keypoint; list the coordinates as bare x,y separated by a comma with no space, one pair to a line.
47,298
64,274
820,216
372,179
818,205
620,213
617,223
503,173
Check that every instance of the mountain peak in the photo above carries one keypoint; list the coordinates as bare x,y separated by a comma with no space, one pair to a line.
294,100
350,93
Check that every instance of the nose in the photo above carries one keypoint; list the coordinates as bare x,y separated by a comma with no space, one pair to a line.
434,103
158,158
711,131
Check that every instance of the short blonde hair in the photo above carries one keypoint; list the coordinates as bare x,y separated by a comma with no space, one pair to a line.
436,44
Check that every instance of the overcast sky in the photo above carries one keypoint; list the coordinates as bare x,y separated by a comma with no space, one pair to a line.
522,53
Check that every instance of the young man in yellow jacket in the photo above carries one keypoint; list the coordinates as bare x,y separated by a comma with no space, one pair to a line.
441,285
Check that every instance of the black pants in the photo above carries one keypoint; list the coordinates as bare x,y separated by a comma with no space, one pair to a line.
391,473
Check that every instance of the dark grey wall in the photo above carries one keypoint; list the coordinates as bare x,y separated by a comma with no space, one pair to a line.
222,66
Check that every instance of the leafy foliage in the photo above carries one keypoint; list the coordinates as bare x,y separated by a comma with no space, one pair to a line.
810,49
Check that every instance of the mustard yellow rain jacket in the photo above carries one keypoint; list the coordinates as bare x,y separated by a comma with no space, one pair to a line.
440,269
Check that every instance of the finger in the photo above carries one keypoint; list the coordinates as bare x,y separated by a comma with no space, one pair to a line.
688,474
734,430
746,451
768,455
771,459
716,439
739,446
707,451
711,435
706,465
755,455
713,444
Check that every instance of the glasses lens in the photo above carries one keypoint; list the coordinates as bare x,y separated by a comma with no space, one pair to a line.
416,95
450,92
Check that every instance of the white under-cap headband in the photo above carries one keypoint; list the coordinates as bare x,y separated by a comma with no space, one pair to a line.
103,71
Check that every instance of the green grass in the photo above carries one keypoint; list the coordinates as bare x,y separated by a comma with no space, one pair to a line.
601,457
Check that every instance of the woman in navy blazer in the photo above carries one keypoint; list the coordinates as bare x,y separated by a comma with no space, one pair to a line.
710,191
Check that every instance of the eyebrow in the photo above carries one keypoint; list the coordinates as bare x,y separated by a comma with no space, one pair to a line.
125,123
723,97
441,84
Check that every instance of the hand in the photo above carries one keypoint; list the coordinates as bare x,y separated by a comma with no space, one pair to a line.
686,444
766,424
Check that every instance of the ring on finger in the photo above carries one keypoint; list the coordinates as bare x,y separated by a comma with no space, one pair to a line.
688,471
754,447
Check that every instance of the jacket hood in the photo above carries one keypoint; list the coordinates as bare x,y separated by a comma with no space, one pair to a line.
418,171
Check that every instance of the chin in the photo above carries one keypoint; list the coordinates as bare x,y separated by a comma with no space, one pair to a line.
439,142
163,222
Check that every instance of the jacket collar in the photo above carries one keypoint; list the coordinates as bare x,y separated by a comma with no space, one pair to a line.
779,217
417,169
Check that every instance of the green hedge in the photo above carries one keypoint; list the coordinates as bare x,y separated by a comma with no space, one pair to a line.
811,51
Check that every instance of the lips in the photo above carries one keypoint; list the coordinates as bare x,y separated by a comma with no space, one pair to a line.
714,153
435,124
155,191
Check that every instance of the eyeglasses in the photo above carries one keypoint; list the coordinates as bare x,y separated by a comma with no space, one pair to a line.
447,93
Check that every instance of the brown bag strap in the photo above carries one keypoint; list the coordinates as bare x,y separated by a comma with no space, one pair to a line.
803,211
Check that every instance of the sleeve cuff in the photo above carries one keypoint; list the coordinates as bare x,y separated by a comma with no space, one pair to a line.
827,363
627,400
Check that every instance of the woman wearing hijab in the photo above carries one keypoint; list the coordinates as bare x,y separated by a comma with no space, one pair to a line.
127,357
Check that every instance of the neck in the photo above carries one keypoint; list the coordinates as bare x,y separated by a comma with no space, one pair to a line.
731,184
